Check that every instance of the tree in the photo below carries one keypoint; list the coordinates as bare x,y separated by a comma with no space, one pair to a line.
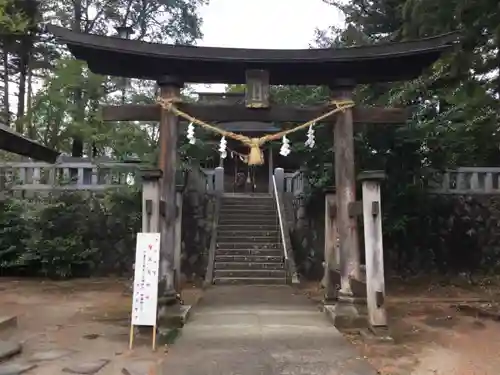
16,16
52,118
455,109
17,27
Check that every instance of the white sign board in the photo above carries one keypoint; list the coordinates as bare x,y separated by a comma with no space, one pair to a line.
145,298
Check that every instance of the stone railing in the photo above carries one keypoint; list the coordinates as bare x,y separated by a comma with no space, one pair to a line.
214,179
462,180
295,182
279,196
467,181
82,175
35,176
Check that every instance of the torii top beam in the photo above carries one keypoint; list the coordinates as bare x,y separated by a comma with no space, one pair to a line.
385,62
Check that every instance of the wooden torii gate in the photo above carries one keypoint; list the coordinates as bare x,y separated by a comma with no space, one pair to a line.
171,66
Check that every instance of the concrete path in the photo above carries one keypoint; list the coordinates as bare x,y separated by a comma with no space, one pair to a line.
261,330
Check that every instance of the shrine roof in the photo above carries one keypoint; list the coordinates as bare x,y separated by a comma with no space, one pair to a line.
385,62
14,142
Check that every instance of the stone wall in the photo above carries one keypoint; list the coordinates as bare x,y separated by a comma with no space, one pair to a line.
307,234
454,234
448,234
197,216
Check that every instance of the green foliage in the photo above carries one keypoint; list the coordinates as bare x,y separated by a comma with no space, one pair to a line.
15,16
70,235
454,123
13,232
56,115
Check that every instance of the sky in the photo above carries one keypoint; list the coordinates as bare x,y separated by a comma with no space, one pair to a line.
268,24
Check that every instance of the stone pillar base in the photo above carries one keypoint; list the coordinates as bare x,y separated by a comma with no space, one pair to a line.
377,334
166,336
348,312
330,298
331,288
173,316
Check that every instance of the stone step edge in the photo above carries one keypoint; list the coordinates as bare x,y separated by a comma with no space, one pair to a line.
233,264
249,226
248,270
245,246
249,210
248,278
270,261
249,241
220,246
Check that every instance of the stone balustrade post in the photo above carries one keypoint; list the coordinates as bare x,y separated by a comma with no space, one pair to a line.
219,180
279,177
374,252
151,200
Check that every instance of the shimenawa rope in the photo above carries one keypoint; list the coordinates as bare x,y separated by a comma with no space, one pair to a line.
255,157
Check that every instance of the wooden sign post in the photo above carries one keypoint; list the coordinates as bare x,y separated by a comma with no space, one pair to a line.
145,296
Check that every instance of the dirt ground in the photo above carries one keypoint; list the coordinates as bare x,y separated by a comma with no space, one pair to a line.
89,317
431,336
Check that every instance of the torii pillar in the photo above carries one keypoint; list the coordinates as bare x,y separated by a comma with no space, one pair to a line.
347,308
168,306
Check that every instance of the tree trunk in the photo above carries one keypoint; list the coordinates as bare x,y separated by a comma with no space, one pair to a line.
6,104
77,146
29,104
23,73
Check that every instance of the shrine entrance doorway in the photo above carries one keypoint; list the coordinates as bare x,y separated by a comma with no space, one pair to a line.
239,177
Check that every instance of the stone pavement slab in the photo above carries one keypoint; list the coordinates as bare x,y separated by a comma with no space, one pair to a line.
87,367
16,368
49,355
9,321
9,349
261,330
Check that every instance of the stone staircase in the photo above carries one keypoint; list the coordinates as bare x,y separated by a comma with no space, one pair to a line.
249,249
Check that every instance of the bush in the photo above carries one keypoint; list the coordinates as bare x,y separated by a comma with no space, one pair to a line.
70,235
14,231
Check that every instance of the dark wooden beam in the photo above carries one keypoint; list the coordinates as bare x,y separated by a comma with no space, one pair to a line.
17,143
227,113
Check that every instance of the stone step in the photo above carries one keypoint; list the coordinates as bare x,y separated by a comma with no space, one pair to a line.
249,245
249,258
244,220
248,266
224,232
247,198
249,205
253,226
249,252
248,202
249,281
254,239
249,273
250,212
